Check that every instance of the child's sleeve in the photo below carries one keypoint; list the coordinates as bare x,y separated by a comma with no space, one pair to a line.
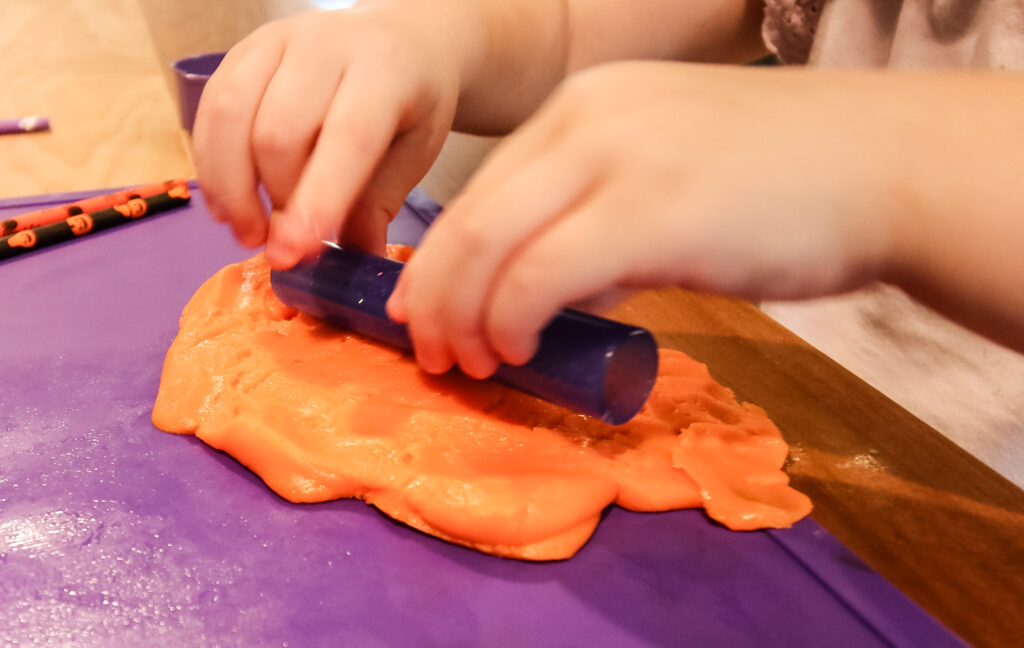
789,26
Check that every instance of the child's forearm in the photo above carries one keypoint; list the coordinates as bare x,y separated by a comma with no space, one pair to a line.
959,234
709,31
513,54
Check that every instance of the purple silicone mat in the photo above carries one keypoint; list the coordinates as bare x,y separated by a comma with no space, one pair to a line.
113,533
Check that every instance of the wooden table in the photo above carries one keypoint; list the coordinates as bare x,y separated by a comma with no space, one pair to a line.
941,526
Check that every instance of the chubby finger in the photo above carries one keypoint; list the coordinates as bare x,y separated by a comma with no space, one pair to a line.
450,278
431,354
404,165
583,257
511,156
221,134
357,130
289,117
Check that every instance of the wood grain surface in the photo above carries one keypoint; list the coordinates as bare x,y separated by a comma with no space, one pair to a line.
935,521
941,526
92,68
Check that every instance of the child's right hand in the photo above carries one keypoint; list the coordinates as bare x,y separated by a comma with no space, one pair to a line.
764,184
337,114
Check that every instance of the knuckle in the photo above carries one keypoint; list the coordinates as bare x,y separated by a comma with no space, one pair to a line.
305,26
362,140
273,138
386,44
530,271
472,236
460,327
313,31
519,285
272,30
219,105
502,329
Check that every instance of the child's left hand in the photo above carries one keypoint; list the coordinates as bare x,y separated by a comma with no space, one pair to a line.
748,182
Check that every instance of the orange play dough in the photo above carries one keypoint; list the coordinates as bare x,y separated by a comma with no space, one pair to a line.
321,414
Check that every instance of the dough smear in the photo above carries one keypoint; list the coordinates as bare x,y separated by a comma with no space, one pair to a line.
321,414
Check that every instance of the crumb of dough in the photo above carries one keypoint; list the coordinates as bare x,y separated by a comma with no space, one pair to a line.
320,414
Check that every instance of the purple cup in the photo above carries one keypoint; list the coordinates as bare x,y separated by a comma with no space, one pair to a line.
192,73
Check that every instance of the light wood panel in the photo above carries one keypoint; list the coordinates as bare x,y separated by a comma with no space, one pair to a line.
189,27
92,68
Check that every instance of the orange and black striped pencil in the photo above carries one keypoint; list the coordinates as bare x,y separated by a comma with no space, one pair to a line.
85,206
79,225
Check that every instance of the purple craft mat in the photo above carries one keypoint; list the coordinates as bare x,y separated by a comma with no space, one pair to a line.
113,533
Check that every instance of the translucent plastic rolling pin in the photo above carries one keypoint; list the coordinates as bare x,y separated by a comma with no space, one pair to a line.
588,364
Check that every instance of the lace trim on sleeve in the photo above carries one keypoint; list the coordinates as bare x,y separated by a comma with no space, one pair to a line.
788,28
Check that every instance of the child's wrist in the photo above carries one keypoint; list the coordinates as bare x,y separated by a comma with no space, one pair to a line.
454,28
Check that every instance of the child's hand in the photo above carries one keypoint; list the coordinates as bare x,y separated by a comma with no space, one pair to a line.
754,183
337,114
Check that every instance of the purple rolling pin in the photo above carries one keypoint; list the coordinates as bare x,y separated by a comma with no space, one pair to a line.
588,364
24,125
